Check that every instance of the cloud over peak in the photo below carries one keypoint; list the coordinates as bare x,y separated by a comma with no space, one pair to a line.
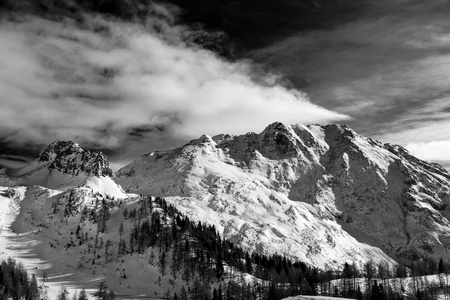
105,82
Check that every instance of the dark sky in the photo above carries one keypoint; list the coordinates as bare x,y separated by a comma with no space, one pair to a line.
128,88
388,70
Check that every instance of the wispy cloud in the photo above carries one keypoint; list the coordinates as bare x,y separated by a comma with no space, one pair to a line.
106,83
432,151
389,70
425,132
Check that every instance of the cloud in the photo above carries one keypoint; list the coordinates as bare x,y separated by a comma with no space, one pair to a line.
373,61
388,69
106,83
431,151
425,131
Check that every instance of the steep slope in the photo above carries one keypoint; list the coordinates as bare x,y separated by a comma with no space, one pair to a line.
65,221
64,165
322,194
59,233
69,158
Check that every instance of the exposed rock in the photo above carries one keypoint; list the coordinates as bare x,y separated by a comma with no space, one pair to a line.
322,194
68,158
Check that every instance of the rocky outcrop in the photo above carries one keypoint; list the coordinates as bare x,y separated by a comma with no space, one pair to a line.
318,193
68,158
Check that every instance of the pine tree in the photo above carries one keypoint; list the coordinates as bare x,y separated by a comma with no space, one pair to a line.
33,291
121,229
219,293
102,292
377,291
83,295
44,278
248,263
174,266
151,258
122,247
63,294
167,295
219,263
370,272
272,292
183,293
442,268
358,294
108,245
162,262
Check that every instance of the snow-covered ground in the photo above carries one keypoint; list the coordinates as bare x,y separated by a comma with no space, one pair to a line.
265,200
22,246
34,236
314,298
323,195
21,240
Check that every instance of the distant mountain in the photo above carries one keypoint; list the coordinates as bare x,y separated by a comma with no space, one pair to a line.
68,158
77,225
64,165
322,194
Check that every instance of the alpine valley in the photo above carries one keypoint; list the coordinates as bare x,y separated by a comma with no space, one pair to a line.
261,215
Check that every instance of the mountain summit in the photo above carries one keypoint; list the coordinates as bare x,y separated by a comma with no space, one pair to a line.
321,194
63,165
68,158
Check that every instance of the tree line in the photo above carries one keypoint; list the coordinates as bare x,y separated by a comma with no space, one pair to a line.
211,267
15,283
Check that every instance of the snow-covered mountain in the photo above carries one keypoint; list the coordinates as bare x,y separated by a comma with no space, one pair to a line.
322,194
63,165
45,202
68,158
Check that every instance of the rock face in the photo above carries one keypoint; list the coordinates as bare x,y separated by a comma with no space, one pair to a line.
322,194
68,158
63,166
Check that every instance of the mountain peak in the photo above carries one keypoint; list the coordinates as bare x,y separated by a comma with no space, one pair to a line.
356,192
59,148
67,157
276,126
204,139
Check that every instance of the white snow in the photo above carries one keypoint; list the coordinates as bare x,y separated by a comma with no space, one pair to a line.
250,205
321,194
20,246
106,186
302,297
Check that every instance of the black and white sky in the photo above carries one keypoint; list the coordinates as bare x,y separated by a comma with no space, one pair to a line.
129,87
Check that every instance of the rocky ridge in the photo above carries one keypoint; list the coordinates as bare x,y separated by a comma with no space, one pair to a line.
64,166
322,194
68,158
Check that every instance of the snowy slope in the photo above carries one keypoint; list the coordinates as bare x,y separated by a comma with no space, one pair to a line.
63,166
20,244
41,228
322,194
46,227
302,297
